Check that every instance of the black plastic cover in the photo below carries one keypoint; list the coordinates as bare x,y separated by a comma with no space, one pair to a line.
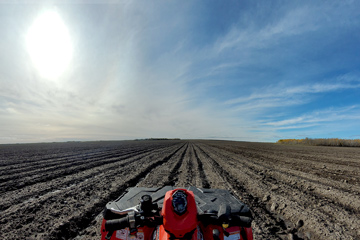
207,200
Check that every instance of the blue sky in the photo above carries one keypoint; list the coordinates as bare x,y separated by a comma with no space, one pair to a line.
234,70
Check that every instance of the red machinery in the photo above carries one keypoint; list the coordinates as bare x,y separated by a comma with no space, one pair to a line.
169,213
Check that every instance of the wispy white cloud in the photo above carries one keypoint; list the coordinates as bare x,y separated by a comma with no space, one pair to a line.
327,123
287,96
297,20
294,22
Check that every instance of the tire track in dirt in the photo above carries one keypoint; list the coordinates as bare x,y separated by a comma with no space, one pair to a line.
290,196
105,187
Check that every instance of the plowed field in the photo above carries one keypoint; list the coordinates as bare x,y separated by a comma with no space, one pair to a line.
58,190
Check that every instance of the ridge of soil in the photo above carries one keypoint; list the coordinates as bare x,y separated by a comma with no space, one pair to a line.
58,190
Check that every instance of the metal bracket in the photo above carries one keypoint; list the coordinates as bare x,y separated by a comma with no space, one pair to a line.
132,220
125,211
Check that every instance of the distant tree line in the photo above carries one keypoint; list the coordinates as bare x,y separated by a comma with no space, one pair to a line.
146,139
323,142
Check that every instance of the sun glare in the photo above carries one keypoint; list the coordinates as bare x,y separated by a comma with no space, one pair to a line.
49,45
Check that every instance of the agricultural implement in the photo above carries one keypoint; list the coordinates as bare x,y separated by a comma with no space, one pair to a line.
170,213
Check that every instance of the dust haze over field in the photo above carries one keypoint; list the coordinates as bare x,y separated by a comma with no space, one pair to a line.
58,190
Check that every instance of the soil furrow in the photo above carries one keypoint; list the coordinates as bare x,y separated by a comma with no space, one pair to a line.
320,165
58,162
174,172
68,169
187,176
294,192
63,163
266,225
210,175
106,187
30,193
200,168
88,216
162,175
292,197
311,187
313,182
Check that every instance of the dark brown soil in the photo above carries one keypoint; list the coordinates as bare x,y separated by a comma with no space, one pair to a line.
58,190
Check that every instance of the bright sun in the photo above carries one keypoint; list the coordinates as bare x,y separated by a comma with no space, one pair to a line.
49,45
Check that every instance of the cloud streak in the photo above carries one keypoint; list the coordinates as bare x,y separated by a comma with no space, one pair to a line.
282,96
319,117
